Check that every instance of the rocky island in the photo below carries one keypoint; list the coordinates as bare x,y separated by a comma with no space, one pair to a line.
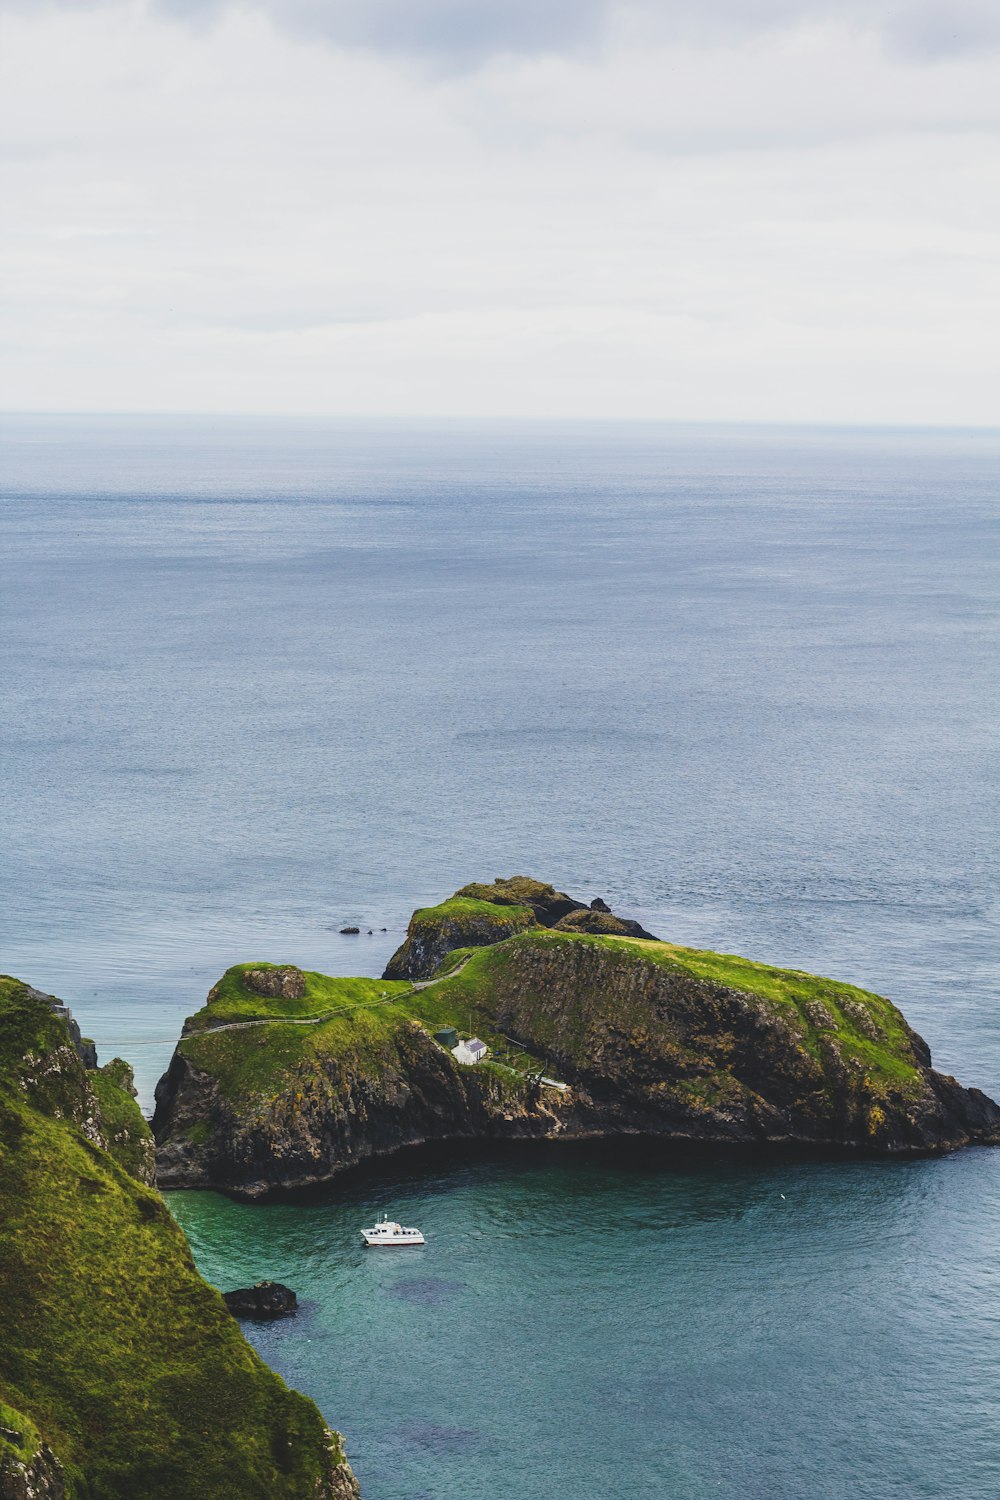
285,1078
122,1374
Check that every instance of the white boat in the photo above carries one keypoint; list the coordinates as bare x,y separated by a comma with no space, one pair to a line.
388,1232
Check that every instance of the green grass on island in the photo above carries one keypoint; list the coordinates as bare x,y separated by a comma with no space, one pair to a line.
464,907
259,1061
807,995
232,1001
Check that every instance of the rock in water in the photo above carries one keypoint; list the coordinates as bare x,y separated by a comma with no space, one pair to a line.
264,1300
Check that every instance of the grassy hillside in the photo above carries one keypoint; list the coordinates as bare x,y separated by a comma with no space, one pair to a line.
114,1351
232,999
862,1024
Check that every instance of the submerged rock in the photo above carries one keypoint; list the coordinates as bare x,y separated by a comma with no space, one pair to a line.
263,1300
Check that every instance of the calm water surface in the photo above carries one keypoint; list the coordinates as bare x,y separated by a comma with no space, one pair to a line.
262,679
599,1328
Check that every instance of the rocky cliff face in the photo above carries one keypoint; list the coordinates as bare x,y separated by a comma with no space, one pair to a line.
55,1070
34,1475
650,1039
436,931
330,1110
713,1048
121,1372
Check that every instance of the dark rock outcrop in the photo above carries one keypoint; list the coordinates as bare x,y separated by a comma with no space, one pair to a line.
602,922
288,983
37,1476
262,1301
479,915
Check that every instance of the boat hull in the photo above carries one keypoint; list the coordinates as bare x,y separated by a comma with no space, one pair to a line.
392,1241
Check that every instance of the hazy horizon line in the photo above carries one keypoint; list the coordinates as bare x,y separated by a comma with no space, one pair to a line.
500,418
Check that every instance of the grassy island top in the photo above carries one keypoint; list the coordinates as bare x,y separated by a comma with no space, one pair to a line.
565,987
233,999
473,906
867,1025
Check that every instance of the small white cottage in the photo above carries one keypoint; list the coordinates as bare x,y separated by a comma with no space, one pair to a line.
472,1051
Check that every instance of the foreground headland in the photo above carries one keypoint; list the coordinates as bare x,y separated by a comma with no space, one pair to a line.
286,1078
122,1374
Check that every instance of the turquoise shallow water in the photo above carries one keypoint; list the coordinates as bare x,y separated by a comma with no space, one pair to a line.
602,1325
262,679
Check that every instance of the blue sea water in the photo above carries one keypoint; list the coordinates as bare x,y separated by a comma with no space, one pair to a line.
266,678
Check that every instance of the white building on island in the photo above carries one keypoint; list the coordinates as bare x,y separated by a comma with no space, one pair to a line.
472,1051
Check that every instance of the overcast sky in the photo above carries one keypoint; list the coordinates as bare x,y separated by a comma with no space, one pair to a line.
747,209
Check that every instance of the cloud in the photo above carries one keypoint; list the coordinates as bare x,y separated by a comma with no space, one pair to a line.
208,210
468,33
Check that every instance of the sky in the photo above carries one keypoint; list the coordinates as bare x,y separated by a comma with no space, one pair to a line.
748,210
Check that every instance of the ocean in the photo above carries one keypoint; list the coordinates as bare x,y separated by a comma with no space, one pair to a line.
267,678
